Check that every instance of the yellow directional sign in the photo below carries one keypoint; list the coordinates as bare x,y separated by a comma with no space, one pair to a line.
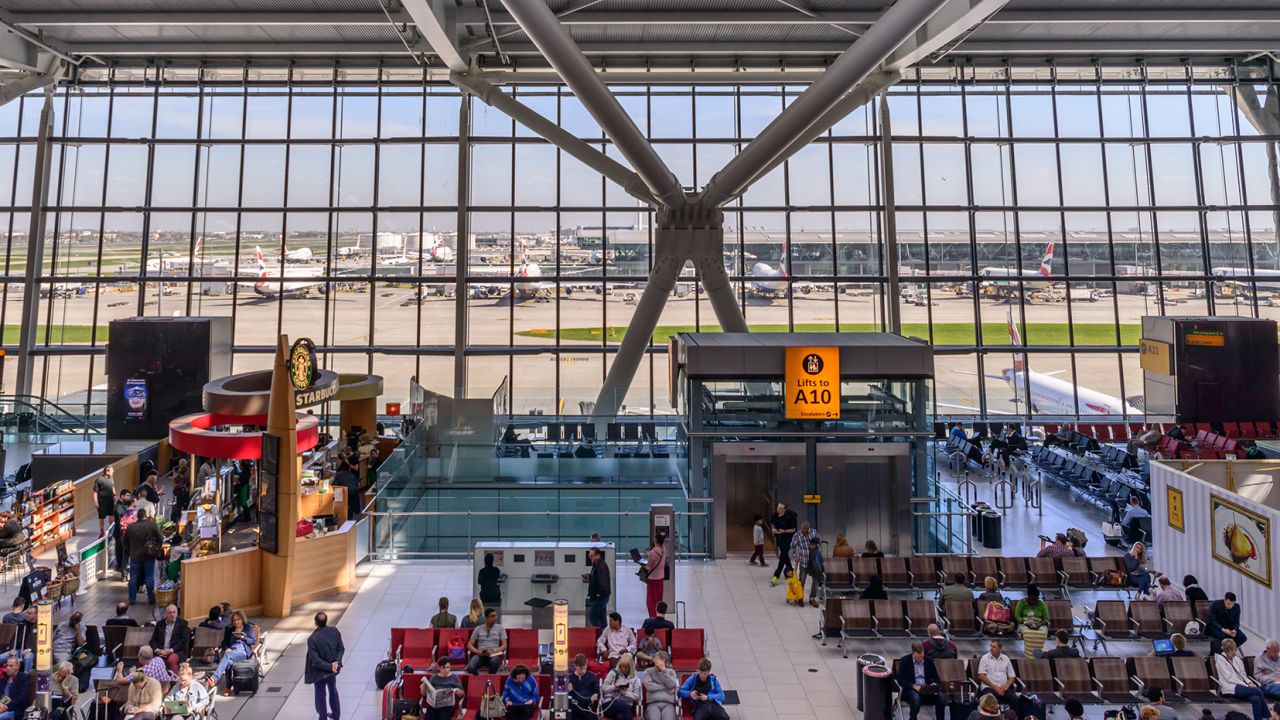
813,383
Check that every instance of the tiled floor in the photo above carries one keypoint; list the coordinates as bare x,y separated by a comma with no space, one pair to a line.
762,648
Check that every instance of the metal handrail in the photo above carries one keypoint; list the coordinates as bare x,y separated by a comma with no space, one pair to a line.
40,408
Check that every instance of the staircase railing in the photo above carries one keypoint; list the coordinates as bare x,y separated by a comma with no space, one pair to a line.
34,414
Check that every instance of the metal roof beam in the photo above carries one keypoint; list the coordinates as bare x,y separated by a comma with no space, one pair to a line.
17,87
542,27
589,155
899,23
952,22
435,22
17,52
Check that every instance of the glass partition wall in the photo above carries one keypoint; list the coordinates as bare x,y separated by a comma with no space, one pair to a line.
1062,203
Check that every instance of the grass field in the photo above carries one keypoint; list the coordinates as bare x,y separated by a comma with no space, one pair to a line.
943,333
61,334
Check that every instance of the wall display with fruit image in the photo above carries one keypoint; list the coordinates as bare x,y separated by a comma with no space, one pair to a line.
1241,539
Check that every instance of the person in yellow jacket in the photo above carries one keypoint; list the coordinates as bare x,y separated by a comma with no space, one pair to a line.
795,591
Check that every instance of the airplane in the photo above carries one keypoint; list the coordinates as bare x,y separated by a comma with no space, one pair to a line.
1050,395
528,284
272,282
1266,280
1044,271
775,283
177,262
301,255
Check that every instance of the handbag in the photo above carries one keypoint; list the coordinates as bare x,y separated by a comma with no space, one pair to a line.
490,704
82,658
1116,578
643,573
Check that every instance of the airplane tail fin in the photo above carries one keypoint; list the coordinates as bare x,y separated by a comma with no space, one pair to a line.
257,258
1019,361
1046,262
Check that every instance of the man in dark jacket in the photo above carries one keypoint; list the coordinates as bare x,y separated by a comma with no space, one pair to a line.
599,588
783,523
23,648
324,661
918,679
1224,621
15,685
171,638
142,544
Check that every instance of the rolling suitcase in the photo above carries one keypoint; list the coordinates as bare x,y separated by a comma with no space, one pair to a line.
244,677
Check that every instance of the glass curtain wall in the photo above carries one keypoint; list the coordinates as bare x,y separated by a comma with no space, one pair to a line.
1064,202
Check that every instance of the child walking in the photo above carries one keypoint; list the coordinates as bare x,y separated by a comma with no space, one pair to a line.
795,591
757,539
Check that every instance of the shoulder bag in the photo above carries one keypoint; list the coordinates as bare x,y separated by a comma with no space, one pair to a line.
491,704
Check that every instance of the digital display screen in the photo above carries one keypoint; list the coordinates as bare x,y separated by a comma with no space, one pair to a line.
136,399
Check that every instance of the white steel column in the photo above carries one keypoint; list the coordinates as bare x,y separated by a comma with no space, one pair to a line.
24,384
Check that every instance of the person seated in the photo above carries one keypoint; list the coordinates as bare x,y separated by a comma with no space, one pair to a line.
875,589
1135,566
214,619
615,641
11,534
989,709
520,694
121,617
996,675
1166,592
647,648
956,590
443,620
939,646
171,638
1156,701
703,691
1191,587
16,686
1033,632
443,680
154,667
918,680
18,614
1031,605
1179,642
1133,513
659,621
145,700
1235,681
24,641
620,690
189,694
871,550
1224,621
957,434
487,645
1060,547
1061,649
1073,708
238,641
991,591
584,690
661,688
64,692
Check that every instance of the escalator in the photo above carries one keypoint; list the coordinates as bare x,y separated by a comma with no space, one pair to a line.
32,415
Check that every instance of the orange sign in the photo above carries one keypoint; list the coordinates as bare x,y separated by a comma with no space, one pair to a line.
813,383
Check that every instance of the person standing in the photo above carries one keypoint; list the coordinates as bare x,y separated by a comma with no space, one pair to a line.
143,544
104,489
783,523
488,579
324,662
757,540
655,581
599,588
804,545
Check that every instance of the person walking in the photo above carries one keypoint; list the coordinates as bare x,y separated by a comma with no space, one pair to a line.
599,588
783,523
324,662
104,489
655,581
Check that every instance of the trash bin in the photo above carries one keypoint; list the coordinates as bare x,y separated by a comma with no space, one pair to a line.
976,520
865,661
543,613
877,688
991,531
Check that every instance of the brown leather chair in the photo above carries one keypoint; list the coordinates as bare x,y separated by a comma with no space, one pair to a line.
889,620
1044,572
1074,573
1073,680
1036,677
856,621
1147,622
893,571
920,614
954,675
1102,566
961,621
1153,672
1177,614
838,576
1060,616
952,565
924,572
984,566
1111,621
864,569
1202,611
1013,571
1192,679
1111,677
830,618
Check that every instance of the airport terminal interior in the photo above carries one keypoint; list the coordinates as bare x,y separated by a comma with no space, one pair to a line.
583,359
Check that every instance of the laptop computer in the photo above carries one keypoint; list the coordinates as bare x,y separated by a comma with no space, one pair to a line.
176,707
1162,646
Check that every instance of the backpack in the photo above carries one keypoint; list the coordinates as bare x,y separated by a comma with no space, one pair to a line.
457,649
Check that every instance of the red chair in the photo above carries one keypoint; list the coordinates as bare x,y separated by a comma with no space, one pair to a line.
1219,442
1231,430
475,691
416,648
1204,426
583,640
397,641
664,637
522,647
446,636
544,690
688,647
1248,430
1202,438
686,705
1232,447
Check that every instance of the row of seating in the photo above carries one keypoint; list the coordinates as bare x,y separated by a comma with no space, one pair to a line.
920,573
409,688
1118,620
1108,490
421,647
1117,457
1096,680
1247,430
